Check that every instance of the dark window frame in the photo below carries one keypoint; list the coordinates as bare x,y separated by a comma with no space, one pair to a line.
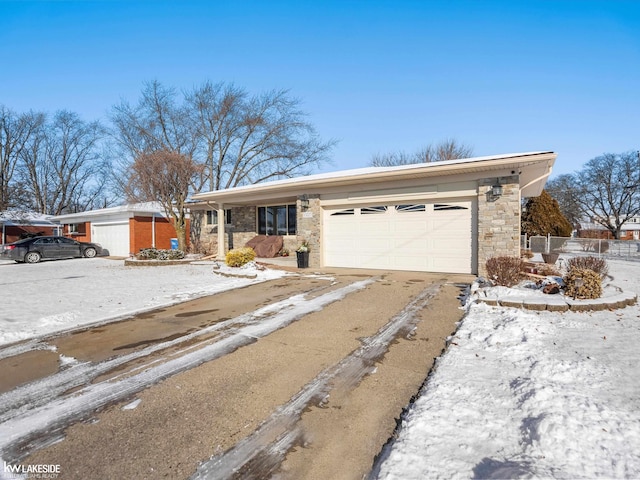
277,219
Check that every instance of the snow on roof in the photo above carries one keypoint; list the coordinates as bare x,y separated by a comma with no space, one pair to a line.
144,207
25,217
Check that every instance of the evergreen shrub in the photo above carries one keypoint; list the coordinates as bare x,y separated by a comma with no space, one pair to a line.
240,256
542,216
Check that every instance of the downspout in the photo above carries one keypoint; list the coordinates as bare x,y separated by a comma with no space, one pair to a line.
221,231
153,230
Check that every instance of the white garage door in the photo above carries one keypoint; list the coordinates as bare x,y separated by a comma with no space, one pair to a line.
430,236
113,237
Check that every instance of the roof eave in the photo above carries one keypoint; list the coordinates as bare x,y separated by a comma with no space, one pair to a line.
291,187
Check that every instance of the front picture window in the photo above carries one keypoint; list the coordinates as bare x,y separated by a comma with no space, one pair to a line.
277,220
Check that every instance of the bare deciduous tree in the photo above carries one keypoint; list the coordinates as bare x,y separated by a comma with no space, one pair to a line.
157,122
446,150
16,131
249,139
164,176
62,168
608,189
563,189
240,139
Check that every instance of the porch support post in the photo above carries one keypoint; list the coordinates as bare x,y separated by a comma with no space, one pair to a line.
221,233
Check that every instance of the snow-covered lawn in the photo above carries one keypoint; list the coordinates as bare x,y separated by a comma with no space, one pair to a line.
58,295
521,394
518,394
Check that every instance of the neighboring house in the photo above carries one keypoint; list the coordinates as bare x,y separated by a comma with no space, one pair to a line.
19,224
122,230
630,230
448,216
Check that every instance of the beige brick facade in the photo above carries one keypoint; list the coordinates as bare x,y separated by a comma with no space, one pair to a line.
310,228
498,221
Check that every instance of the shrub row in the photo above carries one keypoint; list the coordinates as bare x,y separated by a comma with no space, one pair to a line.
159,254
583,280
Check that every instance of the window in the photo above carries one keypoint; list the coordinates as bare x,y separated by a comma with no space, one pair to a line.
443,206
77,228
370,210
212,217
349,211
45,241
411,208
65,241
277,220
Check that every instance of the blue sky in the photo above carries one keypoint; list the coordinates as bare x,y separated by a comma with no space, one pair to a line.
379,76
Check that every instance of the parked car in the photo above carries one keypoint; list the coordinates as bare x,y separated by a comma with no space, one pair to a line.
32,250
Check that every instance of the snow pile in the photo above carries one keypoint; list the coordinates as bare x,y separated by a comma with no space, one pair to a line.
522,394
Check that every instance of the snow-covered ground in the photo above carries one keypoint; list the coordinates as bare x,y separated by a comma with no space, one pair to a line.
518,394
521,394
53,296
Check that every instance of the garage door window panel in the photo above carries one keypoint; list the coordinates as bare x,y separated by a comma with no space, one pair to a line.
339,213
411,208
373,210
441,207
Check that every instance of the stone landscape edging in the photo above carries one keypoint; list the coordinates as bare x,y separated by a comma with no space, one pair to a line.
560,303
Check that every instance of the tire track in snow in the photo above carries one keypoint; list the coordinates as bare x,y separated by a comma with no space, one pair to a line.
39,392
260,454
50,419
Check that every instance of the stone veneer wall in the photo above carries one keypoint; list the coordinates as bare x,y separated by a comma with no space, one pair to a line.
309,223
244,226
498,221
242,229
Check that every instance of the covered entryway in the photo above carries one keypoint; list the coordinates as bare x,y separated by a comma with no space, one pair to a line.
114,237
434,236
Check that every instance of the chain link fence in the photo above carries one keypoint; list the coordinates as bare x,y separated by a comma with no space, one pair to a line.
618,249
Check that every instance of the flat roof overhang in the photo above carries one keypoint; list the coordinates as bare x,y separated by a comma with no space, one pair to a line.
532,168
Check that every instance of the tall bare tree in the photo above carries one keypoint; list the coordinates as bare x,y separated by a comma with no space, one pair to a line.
448,149
564,190
157,122
249,139
16,131
62,166
239,138
608,189
164,176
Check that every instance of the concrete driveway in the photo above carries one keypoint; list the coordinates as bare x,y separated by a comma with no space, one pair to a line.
298,377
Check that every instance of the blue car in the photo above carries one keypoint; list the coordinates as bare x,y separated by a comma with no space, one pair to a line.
32,250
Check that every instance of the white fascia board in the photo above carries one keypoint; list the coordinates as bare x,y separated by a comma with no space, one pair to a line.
517,162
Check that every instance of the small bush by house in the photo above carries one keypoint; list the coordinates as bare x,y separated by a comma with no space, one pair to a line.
598,265
240,256
504,271
583,283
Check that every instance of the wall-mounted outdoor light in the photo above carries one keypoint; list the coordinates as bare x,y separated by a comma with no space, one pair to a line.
304,203
494,193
